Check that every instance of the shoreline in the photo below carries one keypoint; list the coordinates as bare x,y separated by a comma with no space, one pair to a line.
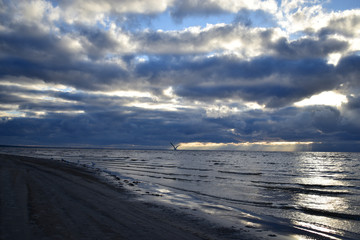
49,199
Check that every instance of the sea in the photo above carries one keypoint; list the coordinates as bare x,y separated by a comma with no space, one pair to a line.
293,195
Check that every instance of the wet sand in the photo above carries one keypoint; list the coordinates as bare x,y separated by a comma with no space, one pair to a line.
47,199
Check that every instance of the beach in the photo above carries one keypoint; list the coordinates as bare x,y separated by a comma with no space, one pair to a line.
48,199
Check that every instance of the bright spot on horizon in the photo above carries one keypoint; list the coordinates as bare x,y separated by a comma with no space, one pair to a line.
329,98
248,146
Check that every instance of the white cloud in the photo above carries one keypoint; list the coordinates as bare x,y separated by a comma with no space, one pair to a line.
91,11
295,16
309,16
334,58
220,111
330,98
36,12
310,19
236,39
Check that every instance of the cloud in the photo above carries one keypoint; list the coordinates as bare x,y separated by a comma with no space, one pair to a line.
90,12
271,81
185,8
28,51
345,24
140,127
147,128
88,72
309,48
221,37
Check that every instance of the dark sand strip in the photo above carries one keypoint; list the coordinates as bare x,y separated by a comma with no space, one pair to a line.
44,199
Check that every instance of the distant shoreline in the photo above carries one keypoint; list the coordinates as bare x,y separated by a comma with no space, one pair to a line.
41,198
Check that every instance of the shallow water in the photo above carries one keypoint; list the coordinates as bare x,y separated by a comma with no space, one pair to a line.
301,195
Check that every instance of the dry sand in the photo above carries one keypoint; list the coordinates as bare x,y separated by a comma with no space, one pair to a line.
45,199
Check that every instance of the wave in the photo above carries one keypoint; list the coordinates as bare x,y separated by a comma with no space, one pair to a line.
153,172
325,213
241,173
307,190
196,169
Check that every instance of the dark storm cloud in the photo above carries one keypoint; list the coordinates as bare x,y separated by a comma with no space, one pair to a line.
353,103
214,39
81,75
351,116
143,127
48,101
27,51
271,81
308,48
274,80
29,42
315,123
9,98
345,25
349,68
44,56
108,127
98,42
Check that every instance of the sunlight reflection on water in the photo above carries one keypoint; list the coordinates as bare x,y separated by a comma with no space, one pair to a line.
329,198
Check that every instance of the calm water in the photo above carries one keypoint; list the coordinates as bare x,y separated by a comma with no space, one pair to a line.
301,195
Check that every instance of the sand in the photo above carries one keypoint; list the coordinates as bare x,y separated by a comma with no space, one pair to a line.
48,199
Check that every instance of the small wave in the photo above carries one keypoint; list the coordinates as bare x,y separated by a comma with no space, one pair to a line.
325,213
154,172
224,178
241,173
178,179
268,182
140,167
321,186
306,190
271,163
196,169
348,179
151,176
318,212
203,176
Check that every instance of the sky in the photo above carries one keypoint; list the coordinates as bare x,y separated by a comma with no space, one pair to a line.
210,74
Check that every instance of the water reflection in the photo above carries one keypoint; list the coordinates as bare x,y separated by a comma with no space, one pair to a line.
323,203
